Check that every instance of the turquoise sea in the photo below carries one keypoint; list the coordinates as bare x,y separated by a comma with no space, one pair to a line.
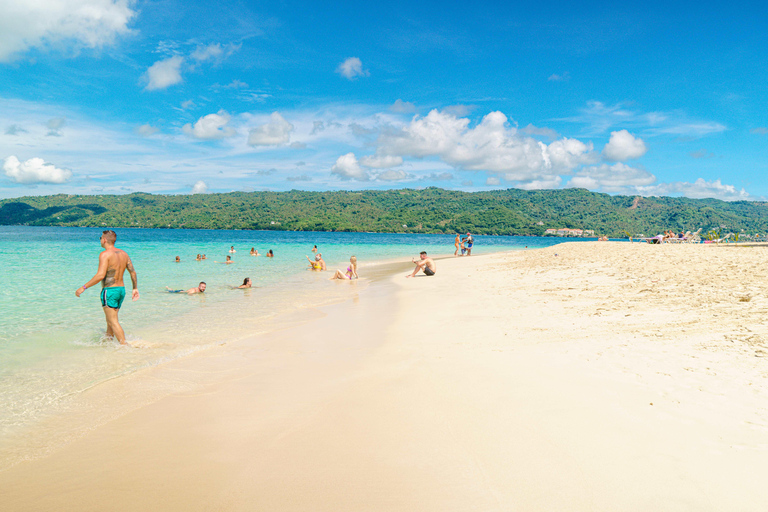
51,343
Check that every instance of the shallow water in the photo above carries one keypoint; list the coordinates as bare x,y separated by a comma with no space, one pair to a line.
51,342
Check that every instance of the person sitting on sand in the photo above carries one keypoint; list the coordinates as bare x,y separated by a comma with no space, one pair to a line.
351,272
178,260
246,283
318,264
425,264
198,289
270,254
232,249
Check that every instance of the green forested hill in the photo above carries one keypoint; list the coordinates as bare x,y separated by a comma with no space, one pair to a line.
431,210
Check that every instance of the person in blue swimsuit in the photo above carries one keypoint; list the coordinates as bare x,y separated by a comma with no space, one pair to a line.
113,263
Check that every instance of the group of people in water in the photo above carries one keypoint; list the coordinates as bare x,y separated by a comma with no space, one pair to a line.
113,263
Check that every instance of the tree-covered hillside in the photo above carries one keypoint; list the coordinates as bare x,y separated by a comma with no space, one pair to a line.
432,210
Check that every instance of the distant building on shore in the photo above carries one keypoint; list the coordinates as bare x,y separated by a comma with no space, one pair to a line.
569,232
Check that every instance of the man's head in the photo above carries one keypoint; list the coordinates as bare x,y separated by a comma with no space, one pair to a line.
229,258
108,237
423,255
201,286
318,257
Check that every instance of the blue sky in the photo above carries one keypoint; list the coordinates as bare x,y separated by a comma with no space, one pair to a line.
112,96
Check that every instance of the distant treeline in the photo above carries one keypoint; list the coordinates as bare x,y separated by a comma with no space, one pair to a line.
431,210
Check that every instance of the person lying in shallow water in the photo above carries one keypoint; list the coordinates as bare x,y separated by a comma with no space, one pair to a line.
192,291
246,283
351,272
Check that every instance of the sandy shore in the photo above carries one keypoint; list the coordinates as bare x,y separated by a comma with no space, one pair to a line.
585,376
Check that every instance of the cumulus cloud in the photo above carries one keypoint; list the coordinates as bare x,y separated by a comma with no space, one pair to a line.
34,170
348,168
614,178
536,131
46,23
200,187
624,146
492,181
146,130
212,126
700,189
492,146
164,73
55,125
441,176
351,68
553,182
392,175
276,132
402,107
381,161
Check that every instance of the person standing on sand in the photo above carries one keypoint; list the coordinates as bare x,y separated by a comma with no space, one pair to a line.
425,263
113,263
457,245
468,243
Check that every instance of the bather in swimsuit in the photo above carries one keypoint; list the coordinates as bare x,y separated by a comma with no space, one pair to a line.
112,297
428,271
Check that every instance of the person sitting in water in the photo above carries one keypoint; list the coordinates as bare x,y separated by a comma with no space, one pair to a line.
198,258
254,252
198,289
204,257
314,249
318,264
246,283
351,272
227,262
232,249
425,264
178,260
270,254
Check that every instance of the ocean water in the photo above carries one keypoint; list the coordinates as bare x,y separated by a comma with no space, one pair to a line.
52,346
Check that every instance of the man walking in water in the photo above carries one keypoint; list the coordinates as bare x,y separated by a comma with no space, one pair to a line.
113,263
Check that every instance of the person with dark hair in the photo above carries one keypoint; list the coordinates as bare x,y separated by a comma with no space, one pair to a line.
425,264
192,291
270,254
246,283
113,263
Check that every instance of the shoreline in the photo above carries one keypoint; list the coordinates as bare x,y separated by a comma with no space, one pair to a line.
576,377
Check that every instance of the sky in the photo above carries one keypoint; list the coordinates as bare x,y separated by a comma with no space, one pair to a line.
182,97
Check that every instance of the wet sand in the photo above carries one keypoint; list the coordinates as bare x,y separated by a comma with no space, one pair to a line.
585,376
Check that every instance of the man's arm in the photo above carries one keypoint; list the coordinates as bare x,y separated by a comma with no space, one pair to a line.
100,273
134,279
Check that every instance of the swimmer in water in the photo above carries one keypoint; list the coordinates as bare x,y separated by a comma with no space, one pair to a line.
246,283
314,249
318,264
192,291
113,263
232,249
351,272
178,260
198,258
227,262
270,254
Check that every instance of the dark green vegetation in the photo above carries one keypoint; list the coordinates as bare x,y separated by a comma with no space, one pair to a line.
433,210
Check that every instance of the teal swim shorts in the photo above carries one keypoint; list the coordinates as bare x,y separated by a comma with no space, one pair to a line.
112,297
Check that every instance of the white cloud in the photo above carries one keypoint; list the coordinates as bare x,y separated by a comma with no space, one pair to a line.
348,168
700,189
34,170
212,126
548,133
493,182
559,78
392,175
351,68
15,129
381,161
146,130
164,73
46,23
402,107
553,182
214,52
186,105
276,132
614,178
200,187
624,146
491,146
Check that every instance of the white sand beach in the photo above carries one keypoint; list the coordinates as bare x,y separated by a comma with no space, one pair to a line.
582,377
